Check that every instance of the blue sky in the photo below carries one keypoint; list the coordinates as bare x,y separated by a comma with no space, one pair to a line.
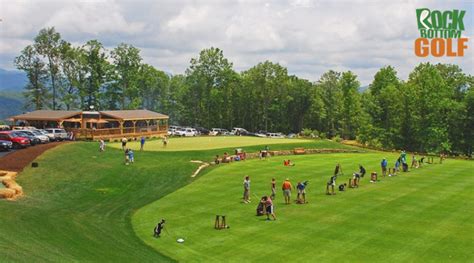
308,37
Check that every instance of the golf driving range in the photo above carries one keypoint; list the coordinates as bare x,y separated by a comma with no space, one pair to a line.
86,205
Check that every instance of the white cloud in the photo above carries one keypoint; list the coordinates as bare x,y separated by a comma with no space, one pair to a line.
307,36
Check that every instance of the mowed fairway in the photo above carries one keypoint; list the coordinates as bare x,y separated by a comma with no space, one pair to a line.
424,215
78,203
205,143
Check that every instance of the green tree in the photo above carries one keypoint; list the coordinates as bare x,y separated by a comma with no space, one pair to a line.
300,95
47,44
127,61
73,71
97,72
36,91
209,77
154,88
351,105
431,103
331,95
268,83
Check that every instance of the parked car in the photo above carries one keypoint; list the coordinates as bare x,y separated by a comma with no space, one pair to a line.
214,131
261,133
239,131
35,133
56,134
274,135
202,131
24,128
171,131
33,139
16,139
5,145
225,132
4,128
187,132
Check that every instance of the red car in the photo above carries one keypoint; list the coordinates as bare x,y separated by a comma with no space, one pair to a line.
14,137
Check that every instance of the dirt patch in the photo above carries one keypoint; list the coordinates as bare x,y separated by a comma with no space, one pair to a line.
18,160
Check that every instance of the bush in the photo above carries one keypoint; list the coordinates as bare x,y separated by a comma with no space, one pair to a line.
337,138
306,132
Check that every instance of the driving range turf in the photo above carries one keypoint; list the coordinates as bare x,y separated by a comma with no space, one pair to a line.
82,205
205,143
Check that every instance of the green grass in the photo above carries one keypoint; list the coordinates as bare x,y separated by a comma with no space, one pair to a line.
421,216
209,142
78,203
82,205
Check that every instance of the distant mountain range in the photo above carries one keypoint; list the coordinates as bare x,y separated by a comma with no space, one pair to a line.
12,83
12,80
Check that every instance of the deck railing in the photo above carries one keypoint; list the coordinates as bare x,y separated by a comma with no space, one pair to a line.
117,132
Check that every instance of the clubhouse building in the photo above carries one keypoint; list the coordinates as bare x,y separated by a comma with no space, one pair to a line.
98,124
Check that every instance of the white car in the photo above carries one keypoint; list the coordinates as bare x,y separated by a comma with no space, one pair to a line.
239,131
55,134
171,131
186,132
215,131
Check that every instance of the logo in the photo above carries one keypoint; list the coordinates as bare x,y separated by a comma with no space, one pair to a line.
440,33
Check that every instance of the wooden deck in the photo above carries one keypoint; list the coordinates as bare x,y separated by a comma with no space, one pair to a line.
117,133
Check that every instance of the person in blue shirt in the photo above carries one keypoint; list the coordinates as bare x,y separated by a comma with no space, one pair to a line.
384,165
301,192
131,155
142,143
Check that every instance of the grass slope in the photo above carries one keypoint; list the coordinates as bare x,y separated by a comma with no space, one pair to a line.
79,202
421,216
209,142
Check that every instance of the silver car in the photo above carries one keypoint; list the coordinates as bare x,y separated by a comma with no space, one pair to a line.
43,138
56,134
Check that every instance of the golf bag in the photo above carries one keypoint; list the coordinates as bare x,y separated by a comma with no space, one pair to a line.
260,209
405,167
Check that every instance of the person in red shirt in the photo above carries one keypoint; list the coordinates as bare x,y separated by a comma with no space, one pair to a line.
268,207
286,187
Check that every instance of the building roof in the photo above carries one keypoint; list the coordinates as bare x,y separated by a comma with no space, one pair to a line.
46,115
57,115
134,114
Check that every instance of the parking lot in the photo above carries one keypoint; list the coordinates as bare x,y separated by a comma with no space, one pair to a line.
5,153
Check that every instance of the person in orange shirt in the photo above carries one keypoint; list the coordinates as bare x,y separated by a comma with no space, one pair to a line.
286,187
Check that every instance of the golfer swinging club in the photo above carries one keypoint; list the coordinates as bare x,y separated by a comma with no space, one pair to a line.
158,228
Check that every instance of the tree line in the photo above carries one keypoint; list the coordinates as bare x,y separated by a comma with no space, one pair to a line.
432,111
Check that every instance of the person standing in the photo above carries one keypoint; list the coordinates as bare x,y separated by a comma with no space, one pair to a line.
247,189
124,143
142,143
413,161
273,189
101,145
331,183
165,141
131,156
286,187
384,165
338,170
127,157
